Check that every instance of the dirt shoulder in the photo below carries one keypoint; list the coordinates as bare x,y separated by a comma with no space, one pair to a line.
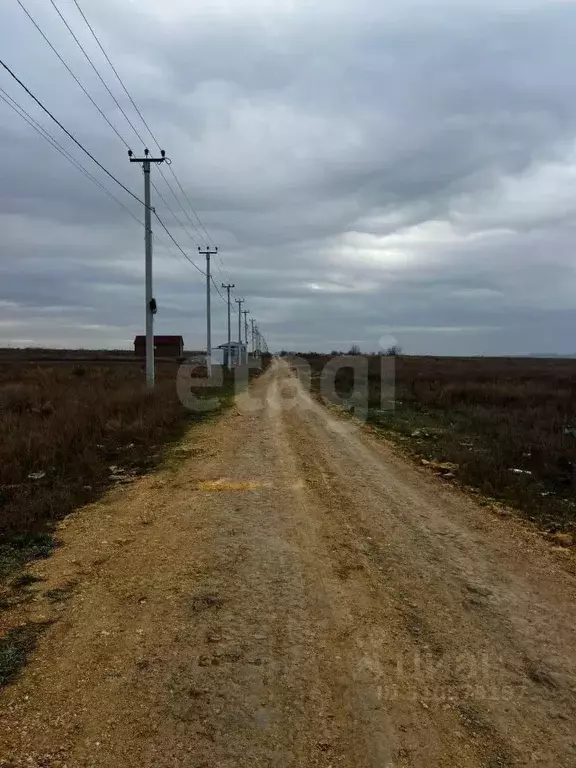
291,592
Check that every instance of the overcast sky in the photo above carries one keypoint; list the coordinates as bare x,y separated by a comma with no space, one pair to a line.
371,171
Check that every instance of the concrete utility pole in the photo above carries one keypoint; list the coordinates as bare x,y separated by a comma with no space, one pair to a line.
253,323
150,301
239,302
246,312
208,252
228,288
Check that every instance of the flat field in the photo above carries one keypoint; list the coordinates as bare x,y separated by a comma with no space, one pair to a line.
69,428
507,424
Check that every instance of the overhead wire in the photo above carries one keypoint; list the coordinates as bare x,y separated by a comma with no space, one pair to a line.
161,196
175,196
79,44
27,117
79,83
210,241
182,251
16,107
113,68
68,133
45,134
224,273
138,111
218,291
168,249
39,128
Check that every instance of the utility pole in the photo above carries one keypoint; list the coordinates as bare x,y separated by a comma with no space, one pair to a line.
239,302
246,312
208,252
253,323
228,288
150,301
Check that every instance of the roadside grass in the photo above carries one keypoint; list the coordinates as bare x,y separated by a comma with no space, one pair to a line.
69,431
15,647
507,425
18,549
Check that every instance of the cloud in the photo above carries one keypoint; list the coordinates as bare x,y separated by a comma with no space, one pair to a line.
365,168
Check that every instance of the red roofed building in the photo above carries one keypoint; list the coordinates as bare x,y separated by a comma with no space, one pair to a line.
164,346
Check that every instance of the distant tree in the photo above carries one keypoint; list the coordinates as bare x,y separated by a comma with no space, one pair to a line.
335,353
393,351
354,350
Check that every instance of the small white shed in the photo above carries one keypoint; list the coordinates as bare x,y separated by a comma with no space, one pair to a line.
236,352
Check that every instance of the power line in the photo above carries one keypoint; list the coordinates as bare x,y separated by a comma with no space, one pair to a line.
178,246
161,196
182,251
191,207
79,44
175,196
13,104
27,117
46,135
127,92
67,132
223,270
113,68
58,146
217,288
116,131
168,249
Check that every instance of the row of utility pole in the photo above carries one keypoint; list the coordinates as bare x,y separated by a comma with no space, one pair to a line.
258,342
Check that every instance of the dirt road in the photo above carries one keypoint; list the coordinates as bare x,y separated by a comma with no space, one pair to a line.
290,592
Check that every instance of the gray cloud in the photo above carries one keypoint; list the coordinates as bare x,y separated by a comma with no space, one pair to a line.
405,169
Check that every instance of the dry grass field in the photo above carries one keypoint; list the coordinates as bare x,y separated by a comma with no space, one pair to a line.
68,430
507,424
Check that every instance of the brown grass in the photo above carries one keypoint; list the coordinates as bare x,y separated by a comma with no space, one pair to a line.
489,416
69,430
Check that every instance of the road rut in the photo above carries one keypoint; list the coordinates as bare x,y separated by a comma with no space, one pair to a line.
290,591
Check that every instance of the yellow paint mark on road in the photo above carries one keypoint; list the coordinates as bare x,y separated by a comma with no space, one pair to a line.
228,485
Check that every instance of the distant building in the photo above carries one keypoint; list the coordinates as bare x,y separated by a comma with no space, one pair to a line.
237,353
164,346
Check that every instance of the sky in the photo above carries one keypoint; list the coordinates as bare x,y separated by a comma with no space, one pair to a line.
372,173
